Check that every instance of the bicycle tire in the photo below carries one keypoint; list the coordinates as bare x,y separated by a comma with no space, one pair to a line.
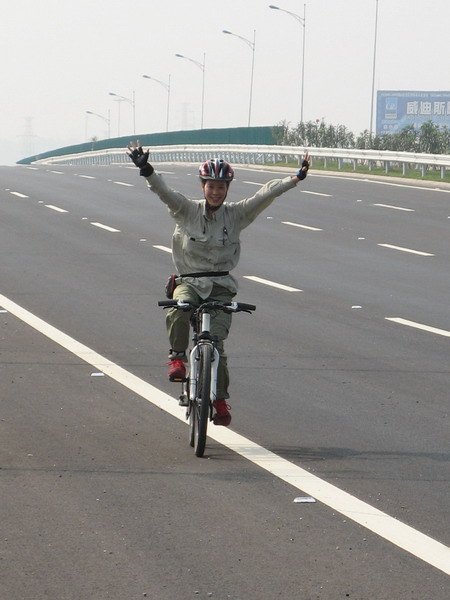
201,406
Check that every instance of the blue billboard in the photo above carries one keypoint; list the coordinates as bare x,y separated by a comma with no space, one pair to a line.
398,109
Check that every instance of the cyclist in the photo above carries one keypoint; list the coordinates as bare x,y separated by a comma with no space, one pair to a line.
205,248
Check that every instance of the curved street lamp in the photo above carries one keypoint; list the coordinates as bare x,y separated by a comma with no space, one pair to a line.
302,21
107,120
120,99
167,87
252,46
201,66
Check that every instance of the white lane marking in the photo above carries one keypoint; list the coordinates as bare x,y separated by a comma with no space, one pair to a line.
394,207
32,168
253,183
87,176
280,286
57,172
106,227
122,183
163,248
19,195
404,536
302,226
366,180
316,193
56,208
421,326
419,252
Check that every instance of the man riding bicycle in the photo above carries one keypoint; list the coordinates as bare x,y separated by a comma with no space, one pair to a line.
205,248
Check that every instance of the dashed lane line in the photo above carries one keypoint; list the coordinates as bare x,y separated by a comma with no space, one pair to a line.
410,250
106,227
421,326
316,193
163,248
56,208
280,286
301,226
399,534
394,207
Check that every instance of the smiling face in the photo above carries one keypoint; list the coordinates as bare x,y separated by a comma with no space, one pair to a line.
215,192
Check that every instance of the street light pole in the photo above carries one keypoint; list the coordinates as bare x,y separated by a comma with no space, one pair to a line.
133,104
107,120
201,66
252,46
167,87
302,21
373,70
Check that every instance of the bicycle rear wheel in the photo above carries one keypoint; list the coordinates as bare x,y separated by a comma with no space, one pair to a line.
200,409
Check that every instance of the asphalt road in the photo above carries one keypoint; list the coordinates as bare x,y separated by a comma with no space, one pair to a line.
339,392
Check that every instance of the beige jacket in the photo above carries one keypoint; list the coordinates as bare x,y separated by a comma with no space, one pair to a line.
202,244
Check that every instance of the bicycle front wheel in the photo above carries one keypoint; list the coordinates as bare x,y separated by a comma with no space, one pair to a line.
201,405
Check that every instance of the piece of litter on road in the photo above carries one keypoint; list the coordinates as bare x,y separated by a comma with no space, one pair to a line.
303,500
97,374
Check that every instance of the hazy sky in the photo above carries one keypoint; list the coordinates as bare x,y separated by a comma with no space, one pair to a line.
61,58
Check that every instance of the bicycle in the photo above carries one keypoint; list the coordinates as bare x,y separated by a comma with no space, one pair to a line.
198,388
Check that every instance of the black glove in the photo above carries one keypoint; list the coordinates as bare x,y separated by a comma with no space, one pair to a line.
140,159
303,171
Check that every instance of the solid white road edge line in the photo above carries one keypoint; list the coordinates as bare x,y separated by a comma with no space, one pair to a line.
409,539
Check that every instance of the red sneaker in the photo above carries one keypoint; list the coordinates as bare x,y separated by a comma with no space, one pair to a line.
177,369
222,415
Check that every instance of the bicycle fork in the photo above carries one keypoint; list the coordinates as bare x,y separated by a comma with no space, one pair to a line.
194,365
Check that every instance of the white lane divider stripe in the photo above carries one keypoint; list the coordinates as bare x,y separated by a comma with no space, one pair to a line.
123,183
404,536
421,326
56,208
19,195
106,227
316,193
280,286
163,248
394,207
401,249
302,226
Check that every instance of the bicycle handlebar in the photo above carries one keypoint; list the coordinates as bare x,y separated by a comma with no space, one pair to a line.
231,306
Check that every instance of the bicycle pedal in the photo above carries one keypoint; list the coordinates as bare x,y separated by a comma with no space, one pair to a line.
183,401
177,379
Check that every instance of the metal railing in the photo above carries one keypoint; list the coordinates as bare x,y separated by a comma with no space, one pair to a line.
254,155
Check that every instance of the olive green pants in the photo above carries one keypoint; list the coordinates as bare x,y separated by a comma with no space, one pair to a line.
178,327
